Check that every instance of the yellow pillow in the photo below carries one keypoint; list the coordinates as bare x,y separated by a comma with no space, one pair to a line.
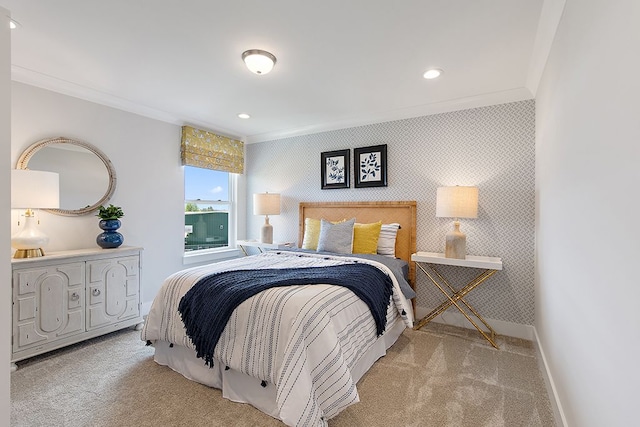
365,238
312,233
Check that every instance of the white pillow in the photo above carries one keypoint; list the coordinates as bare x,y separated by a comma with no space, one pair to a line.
337,238
387,239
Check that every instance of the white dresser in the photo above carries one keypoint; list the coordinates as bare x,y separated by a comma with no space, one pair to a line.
70,296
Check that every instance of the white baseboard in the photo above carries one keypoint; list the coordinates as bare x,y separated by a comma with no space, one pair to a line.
527,332
558,412
500,326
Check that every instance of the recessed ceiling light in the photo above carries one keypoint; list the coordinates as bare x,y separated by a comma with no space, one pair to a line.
13,24
244,116
432,74
258,61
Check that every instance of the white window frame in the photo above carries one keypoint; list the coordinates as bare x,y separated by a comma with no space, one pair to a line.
231,251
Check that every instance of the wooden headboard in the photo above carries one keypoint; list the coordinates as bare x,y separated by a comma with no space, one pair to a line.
404,213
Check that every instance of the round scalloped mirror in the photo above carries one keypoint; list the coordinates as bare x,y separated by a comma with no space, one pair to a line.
87,176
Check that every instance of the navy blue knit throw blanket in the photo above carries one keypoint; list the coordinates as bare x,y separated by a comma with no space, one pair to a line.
207,306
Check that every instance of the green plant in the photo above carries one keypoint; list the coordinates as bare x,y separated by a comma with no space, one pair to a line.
191,207
110,212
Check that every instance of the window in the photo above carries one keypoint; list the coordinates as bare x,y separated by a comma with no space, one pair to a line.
208,209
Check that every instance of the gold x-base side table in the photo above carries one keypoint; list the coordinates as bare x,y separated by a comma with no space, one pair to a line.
427,262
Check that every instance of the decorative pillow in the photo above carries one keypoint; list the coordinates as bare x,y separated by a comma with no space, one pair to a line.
387,239
337,238
311,233
365,238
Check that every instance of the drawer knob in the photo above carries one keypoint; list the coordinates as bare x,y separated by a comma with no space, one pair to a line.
75,296
95,292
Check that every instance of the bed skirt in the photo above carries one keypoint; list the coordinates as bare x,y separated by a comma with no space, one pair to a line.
239,387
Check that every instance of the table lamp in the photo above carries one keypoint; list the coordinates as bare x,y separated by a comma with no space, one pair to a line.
266,204
456,202
31,189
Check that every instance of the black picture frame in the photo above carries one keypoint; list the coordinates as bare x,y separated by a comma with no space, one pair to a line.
370,166
334,168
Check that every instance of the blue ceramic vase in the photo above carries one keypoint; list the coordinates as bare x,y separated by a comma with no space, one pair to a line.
109,238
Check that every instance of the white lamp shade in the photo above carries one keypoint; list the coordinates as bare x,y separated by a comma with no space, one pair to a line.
457,202
259,61
31,189
266,204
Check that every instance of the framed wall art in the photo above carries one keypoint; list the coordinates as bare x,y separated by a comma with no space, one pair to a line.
335,169
370,166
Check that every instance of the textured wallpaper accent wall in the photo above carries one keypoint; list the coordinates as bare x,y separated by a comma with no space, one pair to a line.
490,147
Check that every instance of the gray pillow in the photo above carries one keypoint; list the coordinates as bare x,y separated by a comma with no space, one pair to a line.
336,238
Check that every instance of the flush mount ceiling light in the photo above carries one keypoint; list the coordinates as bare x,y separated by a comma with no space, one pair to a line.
258,61
244,116
432,74
13,24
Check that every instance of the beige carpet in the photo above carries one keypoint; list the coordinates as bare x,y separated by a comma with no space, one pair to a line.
438,376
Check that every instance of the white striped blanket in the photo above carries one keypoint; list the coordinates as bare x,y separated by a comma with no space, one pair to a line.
287,336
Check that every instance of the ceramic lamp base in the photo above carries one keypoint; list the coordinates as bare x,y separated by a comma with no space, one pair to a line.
29,241
456,243
266,232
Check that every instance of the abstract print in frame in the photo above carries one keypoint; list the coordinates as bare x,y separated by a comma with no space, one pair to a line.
370,166
335,169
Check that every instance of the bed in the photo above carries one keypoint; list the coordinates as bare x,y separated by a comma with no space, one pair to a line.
294,352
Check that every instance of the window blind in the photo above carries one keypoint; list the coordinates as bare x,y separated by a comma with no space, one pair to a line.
208,150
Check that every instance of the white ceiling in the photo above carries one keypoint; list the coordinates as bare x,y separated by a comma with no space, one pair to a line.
340,63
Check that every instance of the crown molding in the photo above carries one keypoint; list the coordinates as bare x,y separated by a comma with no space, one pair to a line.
54,84
481,100
550,16
30,77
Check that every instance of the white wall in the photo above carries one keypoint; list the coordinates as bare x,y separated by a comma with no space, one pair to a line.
5,200
146,156
588,243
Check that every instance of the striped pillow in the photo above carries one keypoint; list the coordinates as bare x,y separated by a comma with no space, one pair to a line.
387,239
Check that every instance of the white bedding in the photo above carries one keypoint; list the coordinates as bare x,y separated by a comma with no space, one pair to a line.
304,342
